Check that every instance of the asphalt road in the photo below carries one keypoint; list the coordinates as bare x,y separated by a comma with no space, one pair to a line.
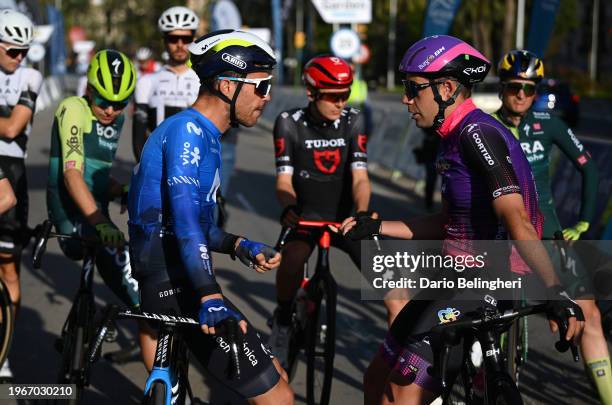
549,378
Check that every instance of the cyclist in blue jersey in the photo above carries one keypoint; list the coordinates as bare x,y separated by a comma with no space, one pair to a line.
488,194
171,206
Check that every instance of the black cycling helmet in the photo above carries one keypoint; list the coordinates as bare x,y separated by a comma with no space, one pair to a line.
521,65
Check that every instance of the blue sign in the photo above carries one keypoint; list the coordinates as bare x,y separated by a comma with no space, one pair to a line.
541,24
439,16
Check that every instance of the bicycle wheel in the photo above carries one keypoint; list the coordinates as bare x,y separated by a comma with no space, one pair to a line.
6,322
513,350
74,341
295,345
320,345
156,394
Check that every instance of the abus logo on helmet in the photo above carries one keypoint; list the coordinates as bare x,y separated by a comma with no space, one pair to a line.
233,60
480,69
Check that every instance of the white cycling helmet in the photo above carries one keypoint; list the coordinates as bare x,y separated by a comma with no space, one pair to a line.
178,18
143,53
16,28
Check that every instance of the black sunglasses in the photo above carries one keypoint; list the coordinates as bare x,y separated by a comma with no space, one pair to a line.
412,88
173,39
104,103
335,97
13,53
514,88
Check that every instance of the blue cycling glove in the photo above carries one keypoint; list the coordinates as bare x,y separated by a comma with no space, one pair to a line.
214,311
247,250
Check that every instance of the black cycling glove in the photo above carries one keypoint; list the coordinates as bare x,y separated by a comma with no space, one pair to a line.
560,307
365,228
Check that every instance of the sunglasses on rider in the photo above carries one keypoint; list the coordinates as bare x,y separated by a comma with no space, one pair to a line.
104,103
262,86
514,88
173,39
412,88
335,97
13,53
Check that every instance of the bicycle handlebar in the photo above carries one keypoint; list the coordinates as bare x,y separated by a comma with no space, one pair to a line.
450,334
286,230
232,332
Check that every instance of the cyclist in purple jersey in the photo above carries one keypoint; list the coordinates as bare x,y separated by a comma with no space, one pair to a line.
488,193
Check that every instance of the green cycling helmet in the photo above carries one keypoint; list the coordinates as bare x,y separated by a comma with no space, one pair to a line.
112,75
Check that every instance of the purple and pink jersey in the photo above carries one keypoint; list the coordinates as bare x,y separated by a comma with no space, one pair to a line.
479,161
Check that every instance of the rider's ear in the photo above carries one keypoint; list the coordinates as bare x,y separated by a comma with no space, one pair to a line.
225,87
310,94
448,89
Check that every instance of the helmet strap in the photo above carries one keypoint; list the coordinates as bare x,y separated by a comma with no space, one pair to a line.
232,102
442,105
233,121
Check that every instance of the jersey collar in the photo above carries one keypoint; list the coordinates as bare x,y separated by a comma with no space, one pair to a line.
455,118
207,123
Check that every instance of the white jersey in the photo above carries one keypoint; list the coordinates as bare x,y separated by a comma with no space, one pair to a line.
165,93
19,88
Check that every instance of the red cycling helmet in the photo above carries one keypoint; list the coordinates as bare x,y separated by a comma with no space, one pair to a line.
327,72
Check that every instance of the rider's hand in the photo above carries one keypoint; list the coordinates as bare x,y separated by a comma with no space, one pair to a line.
257,255
561,308
213,311
125,189
367,214
290,216
575,232
364,227
110,235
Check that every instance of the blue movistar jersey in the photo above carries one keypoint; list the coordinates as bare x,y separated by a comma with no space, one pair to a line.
172,200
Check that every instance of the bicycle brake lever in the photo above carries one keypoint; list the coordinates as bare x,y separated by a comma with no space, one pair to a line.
562,344
444,353
377,242
233,339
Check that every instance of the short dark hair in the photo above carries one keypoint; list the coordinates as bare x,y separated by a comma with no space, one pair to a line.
208,85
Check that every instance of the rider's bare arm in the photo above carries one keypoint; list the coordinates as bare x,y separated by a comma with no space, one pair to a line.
361,189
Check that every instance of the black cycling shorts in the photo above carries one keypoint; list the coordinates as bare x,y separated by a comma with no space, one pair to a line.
258,374
311,237
14,222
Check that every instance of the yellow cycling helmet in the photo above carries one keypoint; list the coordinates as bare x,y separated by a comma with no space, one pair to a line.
521,65
112,74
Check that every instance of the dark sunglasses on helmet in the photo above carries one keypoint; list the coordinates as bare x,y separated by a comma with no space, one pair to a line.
335,97
412,88
514,88
173,39
13,53
262,86
104,103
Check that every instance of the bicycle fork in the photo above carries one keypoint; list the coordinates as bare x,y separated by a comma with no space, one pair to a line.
169,366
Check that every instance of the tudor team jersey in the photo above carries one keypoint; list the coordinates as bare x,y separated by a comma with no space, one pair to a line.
19,88
164,93
320,156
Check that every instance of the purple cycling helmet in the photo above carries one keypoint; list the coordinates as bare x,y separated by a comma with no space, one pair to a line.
443,55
